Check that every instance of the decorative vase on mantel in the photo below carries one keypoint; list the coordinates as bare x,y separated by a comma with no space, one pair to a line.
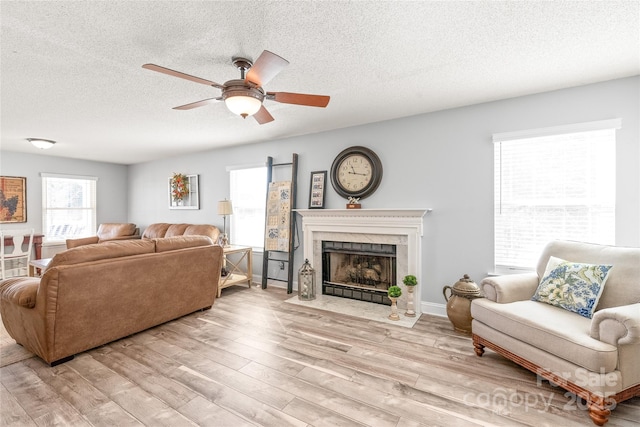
410,282
394,293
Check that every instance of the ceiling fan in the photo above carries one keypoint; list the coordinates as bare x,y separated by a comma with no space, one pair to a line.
244,96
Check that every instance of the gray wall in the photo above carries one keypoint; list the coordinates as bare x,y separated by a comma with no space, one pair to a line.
441,160
112,185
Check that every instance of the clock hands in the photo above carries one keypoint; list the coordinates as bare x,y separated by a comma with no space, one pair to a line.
353,171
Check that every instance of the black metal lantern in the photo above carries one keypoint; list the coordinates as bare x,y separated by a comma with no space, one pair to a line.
306,282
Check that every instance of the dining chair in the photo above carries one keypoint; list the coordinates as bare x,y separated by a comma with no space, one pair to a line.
14,259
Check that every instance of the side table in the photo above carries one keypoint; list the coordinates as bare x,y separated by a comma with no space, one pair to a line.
38,264
235,257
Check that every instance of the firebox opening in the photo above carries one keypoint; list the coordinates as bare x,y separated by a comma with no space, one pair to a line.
362,271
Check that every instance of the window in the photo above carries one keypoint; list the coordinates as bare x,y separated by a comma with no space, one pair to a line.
68,206
248,193
556,183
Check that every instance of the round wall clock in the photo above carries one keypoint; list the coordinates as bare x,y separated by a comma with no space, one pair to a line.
356,172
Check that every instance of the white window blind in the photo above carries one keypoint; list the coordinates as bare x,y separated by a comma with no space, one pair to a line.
248,193
553,186
68,206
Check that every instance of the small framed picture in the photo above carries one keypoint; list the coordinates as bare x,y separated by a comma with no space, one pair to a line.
317,190
183,191
13,199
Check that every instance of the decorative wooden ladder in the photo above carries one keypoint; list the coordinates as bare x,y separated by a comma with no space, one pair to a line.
281,256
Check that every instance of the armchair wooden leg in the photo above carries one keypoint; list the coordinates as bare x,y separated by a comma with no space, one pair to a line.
598,410
479,348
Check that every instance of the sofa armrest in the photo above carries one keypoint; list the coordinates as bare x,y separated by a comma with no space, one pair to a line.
617,325
74,243
510,287
20,291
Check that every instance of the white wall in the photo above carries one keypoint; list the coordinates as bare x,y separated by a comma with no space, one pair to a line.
441,160
112,186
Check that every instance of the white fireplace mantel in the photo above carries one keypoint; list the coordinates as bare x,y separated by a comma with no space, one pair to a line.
367,213
403,224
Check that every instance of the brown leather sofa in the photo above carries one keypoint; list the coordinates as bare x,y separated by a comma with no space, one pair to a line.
95,294
163,229
106,232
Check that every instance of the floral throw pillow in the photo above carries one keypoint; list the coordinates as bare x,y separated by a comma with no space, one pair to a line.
573,286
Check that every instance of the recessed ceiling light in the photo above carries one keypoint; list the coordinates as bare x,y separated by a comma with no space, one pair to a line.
43,144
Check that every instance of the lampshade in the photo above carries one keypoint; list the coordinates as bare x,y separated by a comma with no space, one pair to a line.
243,105
43,144
225,207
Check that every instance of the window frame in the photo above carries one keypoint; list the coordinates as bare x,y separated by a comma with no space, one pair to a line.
502,266
90,226
238,205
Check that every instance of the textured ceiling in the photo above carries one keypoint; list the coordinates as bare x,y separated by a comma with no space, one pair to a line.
71,70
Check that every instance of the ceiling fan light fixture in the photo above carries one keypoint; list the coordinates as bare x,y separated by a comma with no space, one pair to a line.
242,100
243,105
43,144
245,96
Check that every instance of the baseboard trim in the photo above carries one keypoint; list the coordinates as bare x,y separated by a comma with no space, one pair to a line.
434,309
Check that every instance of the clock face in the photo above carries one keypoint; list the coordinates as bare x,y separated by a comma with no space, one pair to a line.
356,172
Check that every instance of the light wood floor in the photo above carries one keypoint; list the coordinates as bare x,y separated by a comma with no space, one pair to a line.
255,360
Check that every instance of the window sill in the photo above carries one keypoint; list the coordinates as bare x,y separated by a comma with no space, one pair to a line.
54,243
504,271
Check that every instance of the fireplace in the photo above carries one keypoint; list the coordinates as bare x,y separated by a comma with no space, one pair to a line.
360,271
398,228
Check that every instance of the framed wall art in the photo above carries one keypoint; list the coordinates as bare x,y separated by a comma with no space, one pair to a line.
317,189
13,199
183,191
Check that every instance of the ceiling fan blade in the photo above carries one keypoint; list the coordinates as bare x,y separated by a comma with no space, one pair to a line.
263,116
266,67
163,70
299,98
197,104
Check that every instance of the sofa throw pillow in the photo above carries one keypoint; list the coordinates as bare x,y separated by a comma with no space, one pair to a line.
572,286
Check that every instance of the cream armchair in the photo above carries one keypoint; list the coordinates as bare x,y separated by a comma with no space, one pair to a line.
596,358
107,232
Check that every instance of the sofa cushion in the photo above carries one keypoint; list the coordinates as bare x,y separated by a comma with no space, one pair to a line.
622,283
202,230
552,329
153,231
181,242
108,231
572,286
110,249
176,230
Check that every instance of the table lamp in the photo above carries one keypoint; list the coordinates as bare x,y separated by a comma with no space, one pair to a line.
225,208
